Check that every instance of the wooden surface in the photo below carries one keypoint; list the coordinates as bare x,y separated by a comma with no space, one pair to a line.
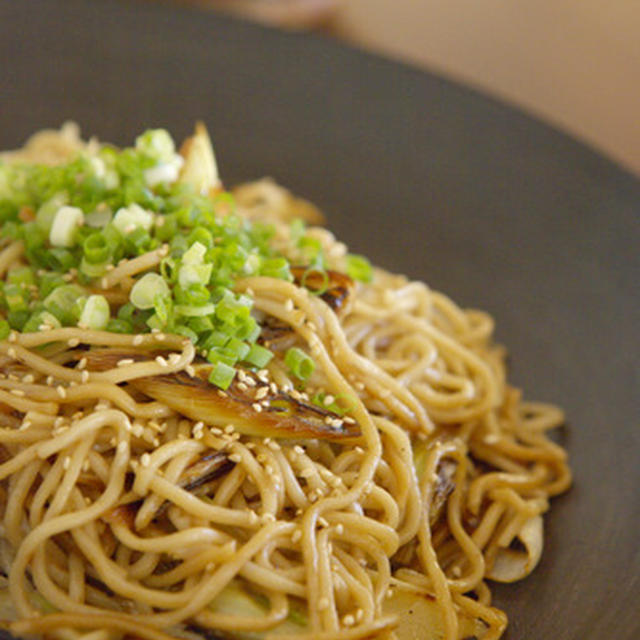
497,210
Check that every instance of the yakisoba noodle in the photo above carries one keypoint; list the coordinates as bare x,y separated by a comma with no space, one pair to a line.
421,474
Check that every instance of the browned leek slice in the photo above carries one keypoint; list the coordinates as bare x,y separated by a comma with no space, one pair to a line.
335,288
253,410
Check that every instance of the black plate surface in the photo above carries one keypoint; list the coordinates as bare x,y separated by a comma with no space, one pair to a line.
427,178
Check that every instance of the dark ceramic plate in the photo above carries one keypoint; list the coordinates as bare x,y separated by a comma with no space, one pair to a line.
427,178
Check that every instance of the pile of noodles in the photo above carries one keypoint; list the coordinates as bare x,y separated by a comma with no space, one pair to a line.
443,490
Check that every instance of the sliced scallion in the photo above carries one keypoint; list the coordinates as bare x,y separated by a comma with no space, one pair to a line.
299,363
145,290
96,313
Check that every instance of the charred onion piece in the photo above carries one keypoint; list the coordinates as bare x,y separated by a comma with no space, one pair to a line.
207,469
274,415
442,489
339,286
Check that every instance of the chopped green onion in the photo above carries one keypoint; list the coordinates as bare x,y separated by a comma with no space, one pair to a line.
99,218
92,270
310,273
237,347
145,290
196,295
299,363
195,254
48,282
191,274
116,325
193,311
63,303
157,144
96,248
183,330
258,356
359,268
128,219
200,325
21,276
38,319
14,296
297,228
214,339
201,235
96,313
17,319
5,329
276,268
222,375
60,259
64,225
48,210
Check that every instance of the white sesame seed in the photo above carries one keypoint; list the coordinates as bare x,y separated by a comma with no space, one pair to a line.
161,361
262,392
348,620
18,392
145,459
242,386
73,342
11,352
340,528
191,372
66,463
235,457
137,340
62,392
288,304
307,472
323,604
125,362
323,522
257,407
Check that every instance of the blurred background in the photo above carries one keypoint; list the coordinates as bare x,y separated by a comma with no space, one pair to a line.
575,64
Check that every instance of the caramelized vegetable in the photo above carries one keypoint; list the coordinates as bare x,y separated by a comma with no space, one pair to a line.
196,476
253,409
334,288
